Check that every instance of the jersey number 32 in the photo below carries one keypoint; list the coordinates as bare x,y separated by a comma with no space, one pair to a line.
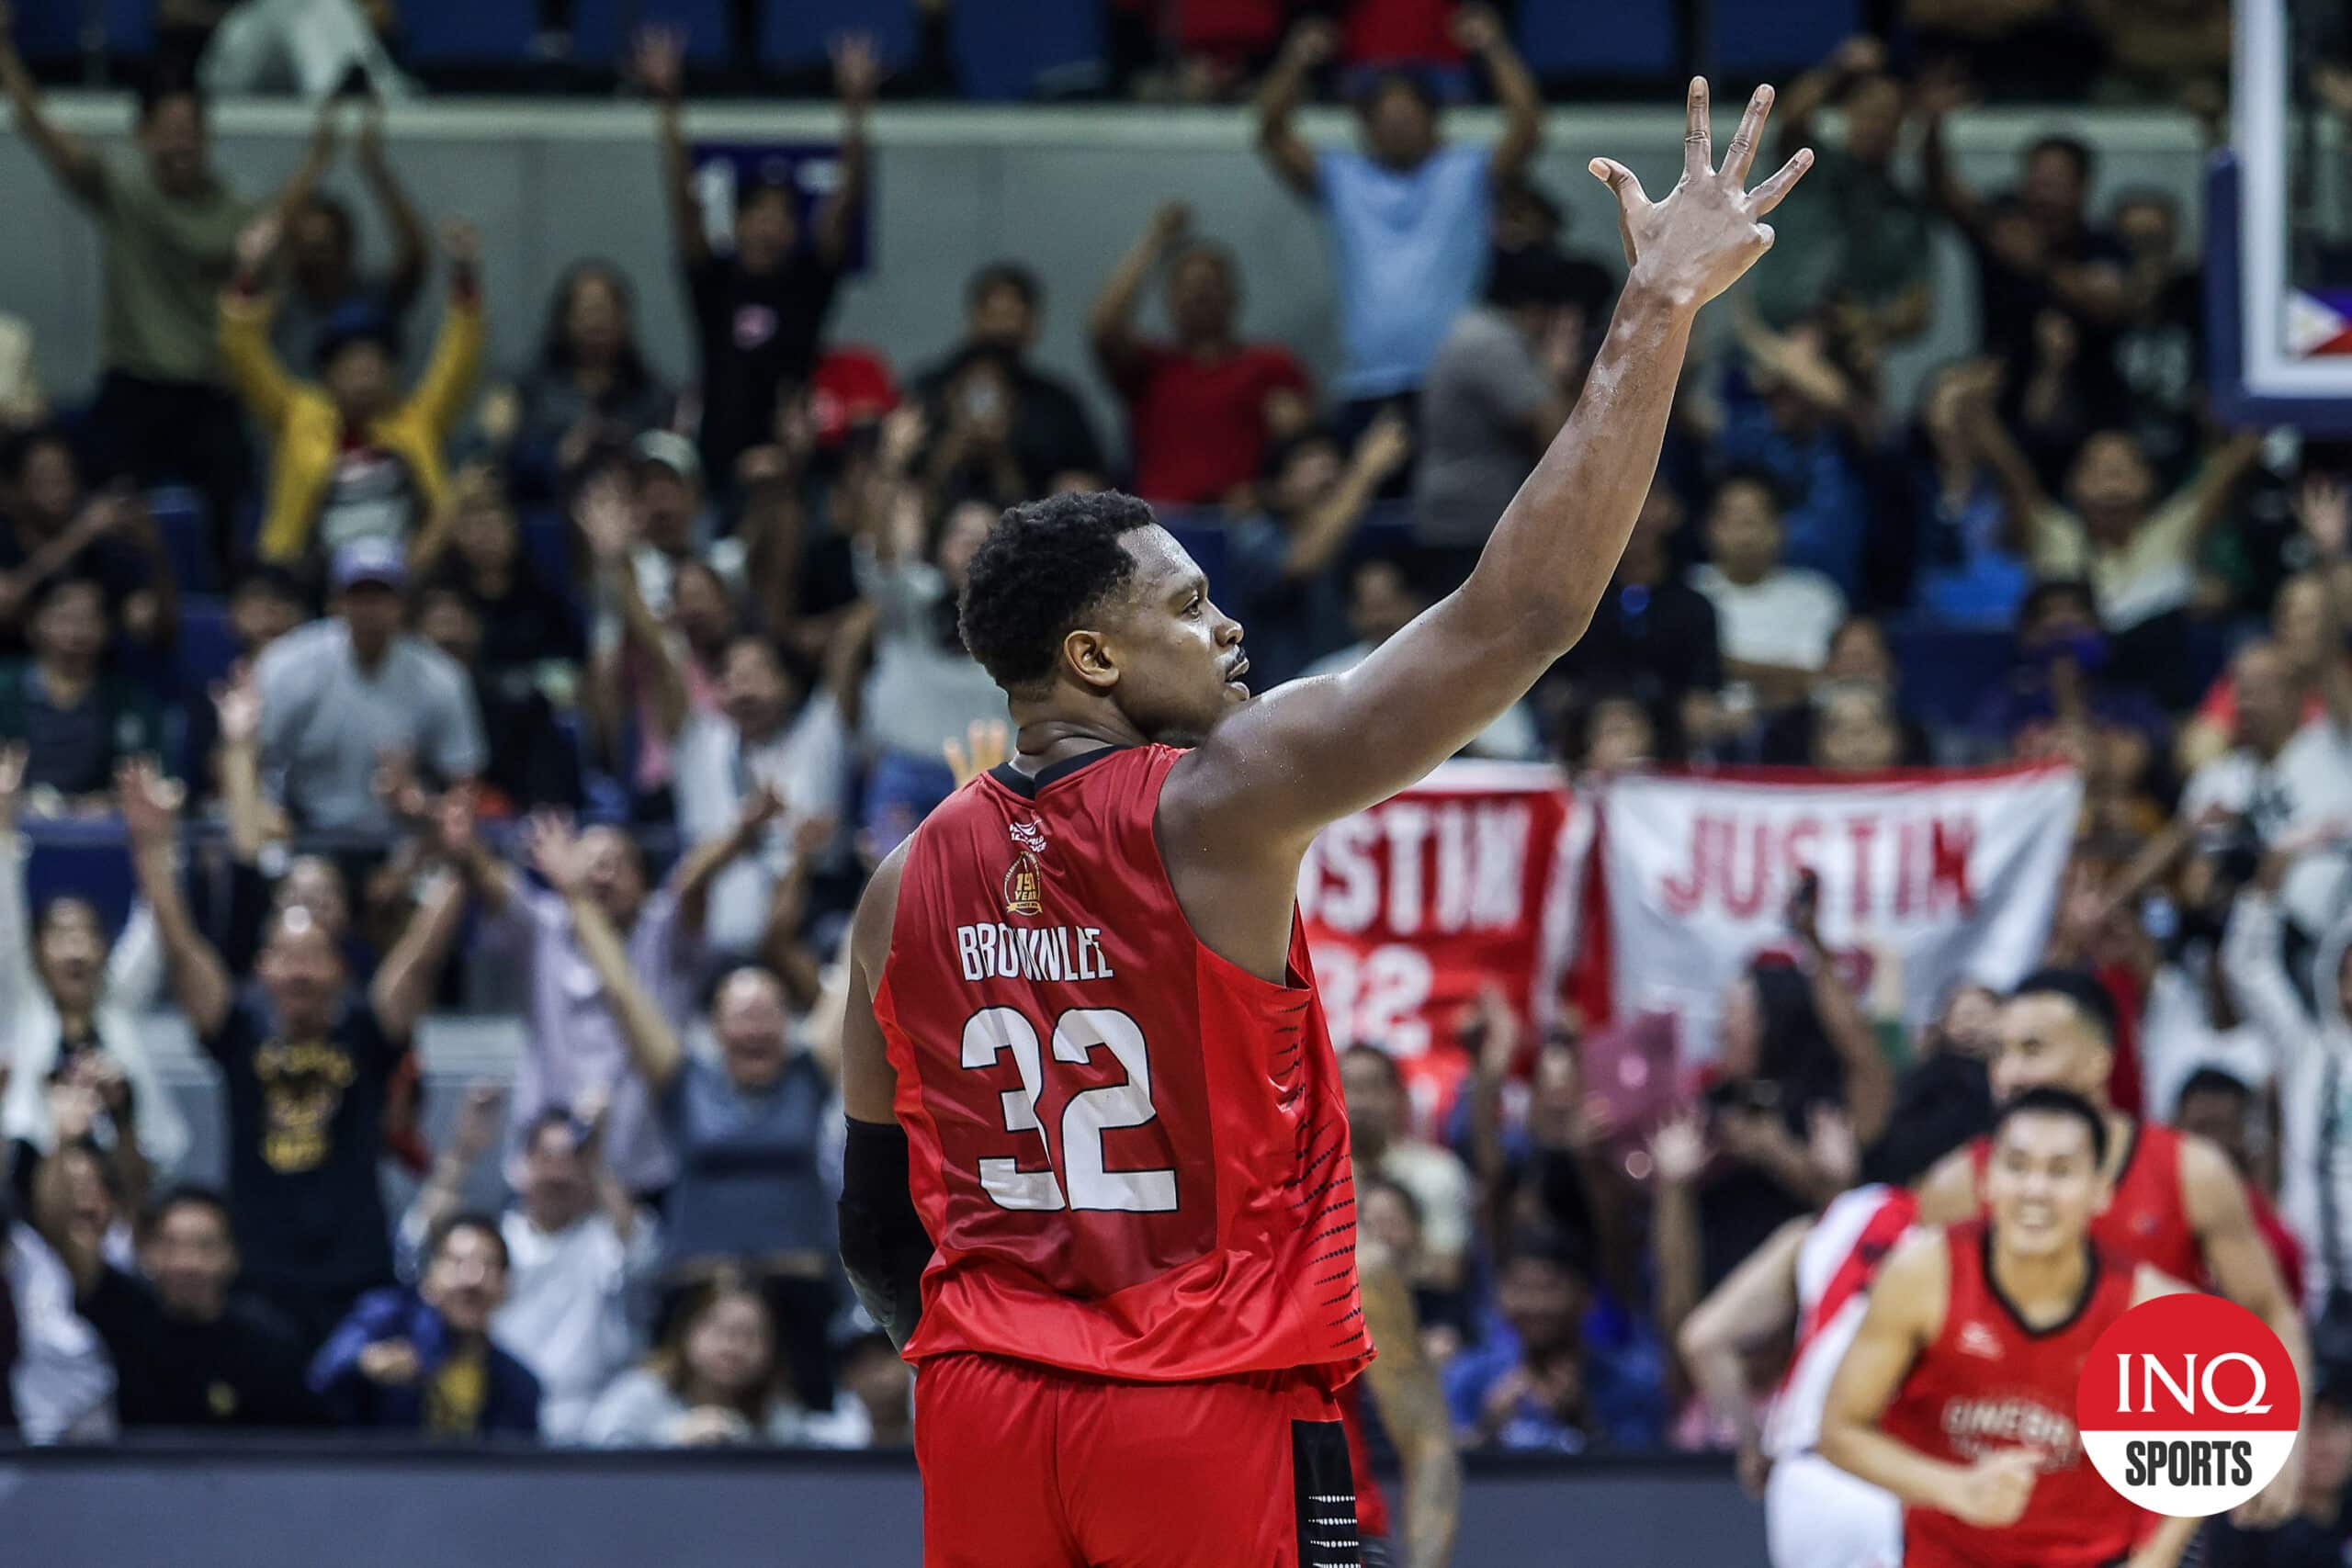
1077,1034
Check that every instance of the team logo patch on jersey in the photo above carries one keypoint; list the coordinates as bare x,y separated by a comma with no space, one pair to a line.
1030,836
1023,885
1975,1339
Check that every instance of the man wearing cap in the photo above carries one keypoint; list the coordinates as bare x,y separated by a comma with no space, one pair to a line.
340,695
350,457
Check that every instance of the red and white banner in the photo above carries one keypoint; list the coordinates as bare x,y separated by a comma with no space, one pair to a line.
1935,876
1465,879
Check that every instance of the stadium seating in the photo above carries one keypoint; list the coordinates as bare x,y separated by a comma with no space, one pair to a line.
601,28
1056,51
801,32
481,32
1598,37
1775,38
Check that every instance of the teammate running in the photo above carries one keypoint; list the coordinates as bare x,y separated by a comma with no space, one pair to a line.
1097,1179
1958,1392
2174,1200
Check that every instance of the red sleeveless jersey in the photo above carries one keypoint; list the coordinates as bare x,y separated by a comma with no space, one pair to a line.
1131,1153
1990,1383
2145,1221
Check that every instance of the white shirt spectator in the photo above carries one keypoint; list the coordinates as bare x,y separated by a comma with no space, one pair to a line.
1440,1184
62,1383
2309,783
1784,619
2178,1038
641,1411
30,1033
714,771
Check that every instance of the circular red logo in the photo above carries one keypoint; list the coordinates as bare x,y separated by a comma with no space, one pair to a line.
2189,1406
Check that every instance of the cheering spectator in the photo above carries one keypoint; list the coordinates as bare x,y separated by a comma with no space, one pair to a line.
425,1360
924,687
69,1005
1498,389
1407,213
61,1388
170,227
532,763
759,310
77,719
572,1047
188,1352
1970,547
579,1252
1564,1369
351,459
1379,1128
751,1131
1654,637
306,1061
343,695
1280,582
49,528
2066,678
1861,248
323,279
1796,412
2161,352
713,1383
474,545
590,391
1774,620
80,1190
1385,594
877,1408
1007,430
1203,406
2299,621
1806,735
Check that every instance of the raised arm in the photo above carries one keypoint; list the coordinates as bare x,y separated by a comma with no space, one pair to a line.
707,860
444,1192
2323,506
68,157
316,160
410,248
1935,99
857,73
1111,325
2019,486
2213,1197
1905,1314
1280,768
608,526
1325,531
653,1046
660,64
404,983
1809,94
1479,30
1405,1390
1291,160
1869,1081
1756,1304
201,981
2217,477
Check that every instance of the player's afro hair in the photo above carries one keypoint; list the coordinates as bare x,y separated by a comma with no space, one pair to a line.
1041,569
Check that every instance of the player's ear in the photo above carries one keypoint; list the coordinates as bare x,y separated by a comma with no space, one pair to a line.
1089,656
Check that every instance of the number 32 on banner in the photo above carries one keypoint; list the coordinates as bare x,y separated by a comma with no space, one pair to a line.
1376,997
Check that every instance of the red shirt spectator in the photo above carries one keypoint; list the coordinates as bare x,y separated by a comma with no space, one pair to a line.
1202,407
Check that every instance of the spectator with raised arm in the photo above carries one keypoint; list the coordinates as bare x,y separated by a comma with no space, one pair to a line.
78,718
190,1352
1203,405
474,545
1408,212
305,1061
324,279
51,527
1282,560
343,695
1969,551
714,1381
579,1250
1004,428
60,1385
759,308
352,457
590,389
427,1361
750,1130
71,1004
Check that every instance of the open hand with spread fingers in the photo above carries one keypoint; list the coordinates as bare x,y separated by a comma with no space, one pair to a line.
1696,240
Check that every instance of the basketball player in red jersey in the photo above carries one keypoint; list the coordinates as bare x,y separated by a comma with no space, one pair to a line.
1958,1392
1097,1179
2174,1200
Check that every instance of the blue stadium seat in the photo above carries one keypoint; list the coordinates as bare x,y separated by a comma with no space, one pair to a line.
546,544
131,29
1767,38
180,518
49,29
1598,37
601,28
800,32
1947,670
87,860
469,32
1056,50
208,648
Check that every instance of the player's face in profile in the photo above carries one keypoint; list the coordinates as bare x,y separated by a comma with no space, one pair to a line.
2043,1184
1178,656
2045,1043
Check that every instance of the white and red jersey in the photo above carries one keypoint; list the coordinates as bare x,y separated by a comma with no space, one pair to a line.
1836,1263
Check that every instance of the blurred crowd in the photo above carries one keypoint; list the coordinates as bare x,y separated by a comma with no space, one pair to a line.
554,692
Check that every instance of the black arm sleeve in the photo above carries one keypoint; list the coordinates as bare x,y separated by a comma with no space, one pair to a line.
883,1246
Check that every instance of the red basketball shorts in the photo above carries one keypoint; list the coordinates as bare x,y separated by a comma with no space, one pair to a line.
1026,1466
